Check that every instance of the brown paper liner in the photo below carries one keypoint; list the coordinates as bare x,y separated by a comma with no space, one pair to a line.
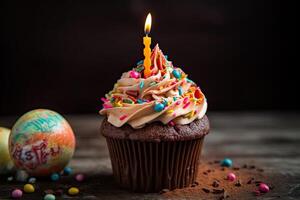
153,166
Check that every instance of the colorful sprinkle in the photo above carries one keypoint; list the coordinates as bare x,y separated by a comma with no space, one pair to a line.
49,197
127,101
226,162
166,57
16,194
28,188
180,90
158,107
123,117
139,69
186,105
152,83
197,94
140,101
140,62
79,177
185,100
172,123
176,74
264,188
55,177
104,100
107,106
134,74
178,103
169,111
73,191
142,83
231,176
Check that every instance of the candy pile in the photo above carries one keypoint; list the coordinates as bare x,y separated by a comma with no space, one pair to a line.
49,194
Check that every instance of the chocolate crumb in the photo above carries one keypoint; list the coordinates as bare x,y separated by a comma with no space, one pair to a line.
215,184
250,181
164,191
252,167
238,183
236,168
206,190
196,183
223,168
205,173
218,191
208,171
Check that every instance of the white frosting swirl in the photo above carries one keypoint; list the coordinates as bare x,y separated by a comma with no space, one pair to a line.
133,99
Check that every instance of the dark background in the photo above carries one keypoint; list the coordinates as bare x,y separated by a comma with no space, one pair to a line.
65,55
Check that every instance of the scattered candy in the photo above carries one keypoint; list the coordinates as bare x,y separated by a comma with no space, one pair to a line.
49,197
79,177
158,107
180,92
73,191
55,177
16,194
231,176
186,105
21,176
68,170
264,188
142,83
32,180
28,188
176,74
134,74
226,162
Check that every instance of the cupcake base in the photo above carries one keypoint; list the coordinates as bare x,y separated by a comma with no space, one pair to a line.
144,166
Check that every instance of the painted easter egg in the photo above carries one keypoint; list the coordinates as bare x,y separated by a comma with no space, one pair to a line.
6,164
41,142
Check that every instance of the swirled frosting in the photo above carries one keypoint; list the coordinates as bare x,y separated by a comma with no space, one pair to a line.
167,96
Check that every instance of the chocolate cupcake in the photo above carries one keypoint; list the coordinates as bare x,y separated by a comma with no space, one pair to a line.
155,127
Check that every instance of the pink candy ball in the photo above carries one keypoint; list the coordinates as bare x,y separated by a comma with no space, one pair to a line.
16,193
231,176
134,74
79,177
264,188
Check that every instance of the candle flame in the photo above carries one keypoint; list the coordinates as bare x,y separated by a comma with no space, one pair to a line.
148,24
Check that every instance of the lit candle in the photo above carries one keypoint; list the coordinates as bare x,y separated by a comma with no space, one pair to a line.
147,49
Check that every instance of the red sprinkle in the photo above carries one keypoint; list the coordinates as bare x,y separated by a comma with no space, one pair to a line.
107,106
104,100
178,103
186,105
123,117
185,100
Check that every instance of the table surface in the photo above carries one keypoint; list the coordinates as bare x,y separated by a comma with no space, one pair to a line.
269,140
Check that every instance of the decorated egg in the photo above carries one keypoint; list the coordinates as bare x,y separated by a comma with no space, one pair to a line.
41,142
6,164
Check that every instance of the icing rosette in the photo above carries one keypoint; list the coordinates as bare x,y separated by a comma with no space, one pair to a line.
167,96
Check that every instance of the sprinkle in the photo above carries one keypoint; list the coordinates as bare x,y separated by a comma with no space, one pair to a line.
171,123
134,74
127,101
165,102
180,90
178,103
152,83
186,105
174,114
104,100
174,98
140,62
123,117
189,80
112,100
140,101
176,74
142,84
158,107
170,111
166,57
118,104
139,69
106,106
185,100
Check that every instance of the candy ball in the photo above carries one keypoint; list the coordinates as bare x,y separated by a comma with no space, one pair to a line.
16,194
176,73
134,74
41,142
55,177
79,177
49,197
159,107
32,180
73,191
264,188
6,164
28,188
231,176
68,171
226,162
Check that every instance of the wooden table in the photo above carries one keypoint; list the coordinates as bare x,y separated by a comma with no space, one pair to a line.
265,139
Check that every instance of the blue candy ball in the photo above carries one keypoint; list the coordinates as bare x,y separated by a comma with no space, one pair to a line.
67,170
176,73
159,107
226,162
55,177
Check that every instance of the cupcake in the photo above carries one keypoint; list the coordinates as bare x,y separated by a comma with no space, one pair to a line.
154,127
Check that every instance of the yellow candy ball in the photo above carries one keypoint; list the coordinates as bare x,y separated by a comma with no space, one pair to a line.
28,188
6,164
73,191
